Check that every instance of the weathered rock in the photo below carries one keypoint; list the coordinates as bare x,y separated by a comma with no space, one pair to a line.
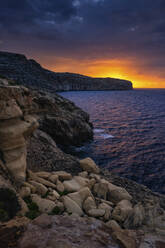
53,195
15,126
80,196
81,180
53,178
72,185
63,175
33,177
71,206
25,191
68,232
101,189
44,221
43,174
107,209
136,219
89,165
39,188
83,174
60,186
96,212
43,154
89,204
116,194
122,211
113,225
125,239
45,205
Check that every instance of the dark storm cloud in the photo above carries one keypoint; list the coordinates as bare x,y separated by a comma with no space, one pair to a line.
87,28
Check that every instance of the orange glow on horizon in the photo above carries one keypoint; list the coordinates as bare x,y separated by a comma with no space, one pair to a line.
115,68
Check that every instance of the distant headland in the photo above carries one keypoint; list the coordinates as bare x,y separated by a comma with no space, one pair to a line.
30,73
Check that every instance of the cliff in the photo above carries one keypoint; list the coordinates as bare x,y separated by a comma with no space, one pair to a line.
29,73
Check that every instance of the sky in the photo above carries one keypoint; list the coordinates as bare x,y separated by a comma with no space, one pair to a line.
100,38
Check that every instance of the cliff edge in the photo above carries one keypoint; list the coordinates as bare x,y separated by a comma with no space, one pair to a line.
31,74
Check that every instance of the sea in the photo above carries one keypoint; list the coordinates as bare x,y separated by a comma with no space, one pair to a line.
129,133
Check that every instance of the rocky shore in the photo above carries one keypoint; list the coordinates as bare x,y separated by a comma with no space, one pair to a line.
52,199
30,73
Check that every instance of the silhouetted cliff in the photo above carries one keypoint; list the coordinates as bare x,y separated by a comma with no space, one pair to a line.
28,72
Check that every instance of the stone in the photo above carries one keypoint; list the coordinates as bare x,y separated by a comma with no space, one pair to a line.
83,174
53,195
113,225
60,186
81,181
24,207
107,209
101,190
116,194
40,188
95,176
71,206
45,205
89,204
124,239
53,178
89,165
80,196
122,211
25,191
44,221
137,218
71,185
45,182
96,212
91,183
62,175
32,188
43,174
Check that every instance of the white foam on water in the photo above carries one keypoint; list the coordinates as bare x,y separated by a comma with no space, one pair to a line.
106,136
99,130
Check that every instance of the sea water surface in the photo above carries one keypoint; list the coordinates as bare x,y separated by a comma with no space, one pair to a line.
129,133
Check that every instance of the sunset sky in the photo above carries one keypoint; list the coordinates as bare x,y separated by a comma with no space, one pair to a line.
100,38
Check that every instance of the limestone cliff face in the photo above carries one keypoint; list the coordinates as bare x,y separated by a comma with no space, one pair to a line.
30,73
16,124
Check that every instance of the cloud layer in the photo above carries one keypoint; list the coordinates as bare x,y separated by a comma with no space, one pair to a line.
87,30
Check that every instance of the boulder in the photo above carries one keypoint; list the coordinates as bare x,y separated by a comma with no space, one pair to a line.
116,194
83,174
113,225
24,191
53,195
60,186
107,209
53,178
71,206
122,211
45,205
81,180
43,174
80,196
72,185
89,165
96,212
39,188
101,189
62,175
89,204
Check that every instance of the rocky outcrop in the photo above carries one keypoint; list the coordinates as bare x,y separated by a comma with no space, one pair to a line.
29,73
15,126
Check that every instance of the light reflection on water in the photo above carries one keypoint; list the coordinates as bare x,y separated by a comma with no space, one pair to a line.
132,138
